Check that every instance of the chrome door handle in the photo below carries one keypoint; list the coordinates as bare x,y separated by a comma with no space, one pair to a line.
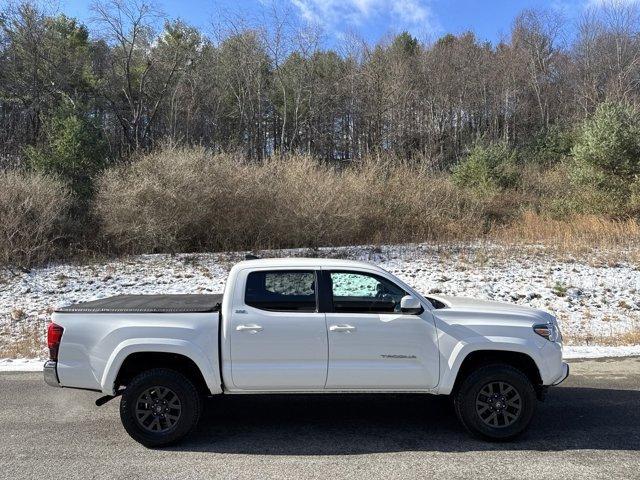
342,328
253,328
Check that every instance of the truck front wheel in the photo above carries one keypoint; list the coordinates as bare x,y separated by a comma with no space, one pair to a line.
495,402
159,407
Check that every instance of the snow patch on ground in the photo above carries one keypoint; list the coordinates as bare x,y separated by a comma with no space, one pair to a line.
592,295
595,351
21,365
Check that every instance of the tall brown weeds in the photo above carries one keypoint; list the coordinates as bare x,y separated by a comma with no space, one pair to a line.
572,233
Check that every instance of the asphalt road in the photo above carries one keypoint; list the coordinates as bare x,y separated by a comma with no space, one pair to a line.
588,428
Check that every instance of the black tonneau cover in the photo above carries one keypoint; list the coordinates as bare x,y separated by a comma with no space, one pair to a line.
148,304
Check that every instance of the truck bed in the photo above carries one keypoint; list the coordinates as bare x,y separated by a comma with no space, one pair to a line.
148,304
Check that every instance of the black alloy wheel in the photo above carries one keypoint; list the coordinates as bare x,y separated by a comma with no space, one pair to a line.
158,409
498,404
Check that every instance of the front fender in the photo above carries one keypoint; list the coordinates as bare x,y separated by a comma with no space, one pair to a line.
451,363
188,349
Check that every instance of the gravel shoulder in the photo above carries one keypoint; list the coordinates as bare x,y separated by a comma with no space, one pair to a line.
587,428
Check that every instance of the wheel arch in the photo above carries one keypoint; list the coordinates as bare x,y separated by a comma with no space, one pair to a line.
139,362
133,357
471,359
480,358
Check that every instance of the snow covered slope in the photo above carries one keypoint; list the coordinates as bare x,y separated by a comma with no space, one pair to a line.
596,300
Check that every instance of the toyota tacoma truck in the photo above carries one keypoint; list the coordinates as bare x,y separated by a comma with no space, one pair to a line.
300,326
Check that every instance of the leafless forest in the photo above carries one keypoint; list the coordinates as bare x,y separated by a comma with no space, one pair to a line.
136,113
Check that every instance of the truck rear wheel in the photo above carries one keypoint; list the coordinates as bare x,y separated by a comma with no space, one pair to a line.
159,407
495,402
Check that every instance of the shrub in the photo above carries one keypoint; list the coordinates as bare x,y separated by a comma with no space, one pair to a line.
606,163
609,141
549,147
487,169
32,215
189,200
160,200
74,150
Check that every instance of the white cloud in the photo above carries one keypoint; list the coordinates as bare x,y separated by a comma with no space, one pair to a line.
337,14
411,11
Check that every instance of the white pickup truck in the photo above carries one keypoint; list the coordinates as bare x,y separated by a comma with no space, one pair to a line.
305,326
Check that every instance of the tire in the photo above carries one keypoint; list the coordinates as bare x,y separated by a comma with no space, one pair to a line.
495,402
159,407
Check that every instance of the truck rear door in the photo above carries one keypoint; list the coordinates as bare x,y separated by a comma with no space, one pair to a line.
278,339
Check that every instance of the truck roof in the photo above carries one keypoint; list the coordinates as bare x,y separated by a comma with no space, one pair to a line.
305,262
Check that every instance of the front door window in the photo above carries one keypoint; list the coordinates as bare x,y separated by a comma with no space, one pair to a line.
364,293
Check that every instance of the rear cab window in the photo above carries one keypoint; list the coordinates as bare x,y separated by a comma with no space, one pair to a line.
281,290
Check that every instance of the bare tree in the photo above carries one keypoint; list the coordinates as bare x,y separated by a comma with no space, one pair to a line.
140,75
607,54
267,84
534,38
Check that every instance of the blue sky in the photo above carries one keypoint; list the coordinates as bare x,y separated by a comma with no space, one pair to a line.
371,19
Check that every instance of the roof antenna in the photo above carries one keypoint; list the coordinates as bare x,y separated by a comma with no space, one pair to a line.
250,256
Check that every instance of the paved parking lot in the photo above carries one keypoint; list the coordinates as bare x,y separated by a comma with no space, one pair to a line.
588,428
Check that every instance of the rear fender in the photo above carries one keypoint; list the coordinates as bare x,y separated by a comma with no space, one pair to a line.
209,372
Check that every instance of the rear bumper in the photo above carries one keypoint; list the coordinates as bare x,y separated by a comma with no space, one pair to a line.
565,374
50,373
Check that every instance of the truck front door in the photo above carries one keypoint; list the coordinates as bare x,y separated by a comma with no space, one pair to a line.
372,344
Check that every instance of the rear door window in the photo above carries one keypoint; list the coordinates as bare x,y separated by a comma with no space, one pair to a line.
282,290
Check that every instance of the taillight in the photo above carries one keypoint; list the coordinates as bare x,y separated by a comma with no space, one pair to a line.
54,335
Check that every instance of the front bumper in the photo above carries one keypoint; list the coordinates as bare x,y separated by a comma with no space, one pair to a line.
565,374
51,374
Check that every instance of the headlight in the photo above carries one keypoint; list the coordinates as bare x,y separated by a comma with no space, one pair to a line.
550,331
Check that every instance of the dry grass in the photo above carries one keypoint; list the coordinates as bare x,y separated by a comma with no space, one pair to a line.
580,233
632,337
24,341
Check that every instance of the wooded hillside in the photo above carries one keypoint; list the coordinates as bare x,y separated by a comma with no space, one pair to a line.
543,122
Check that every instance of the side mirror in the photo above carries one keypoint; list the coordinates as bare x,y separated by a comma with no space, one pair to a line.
410,305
